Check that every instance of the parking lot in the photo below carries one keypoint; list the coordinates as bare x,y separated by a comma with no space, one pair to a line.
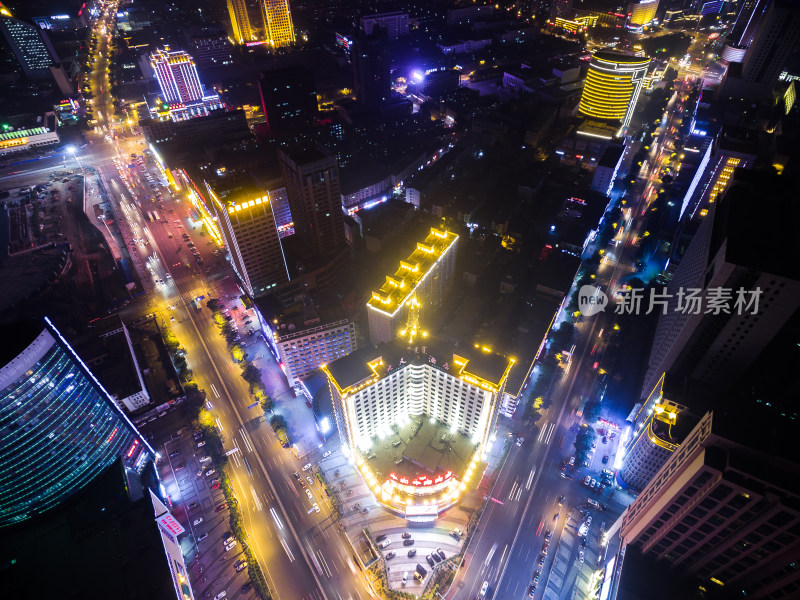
197,501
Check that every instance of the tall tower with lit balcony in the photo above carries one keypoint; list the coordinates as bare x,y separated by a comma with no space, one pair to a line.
278,22
612,87
177,76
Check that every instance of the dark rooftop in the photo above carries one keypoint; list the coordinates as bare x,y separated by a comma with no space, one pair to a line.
17,336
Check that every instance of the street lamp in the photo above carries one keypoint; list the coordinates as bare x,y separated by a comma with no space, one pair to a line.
72,150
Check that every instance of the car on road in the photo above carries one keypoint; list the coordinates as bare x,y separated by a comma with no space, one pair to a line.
540,562
583,542
605,459
197,521
545,547
580,555
484,589
531,591
310,481
561,499
308,493
412,552
390,555
536,576
296,475
316,507
408,542
327,453
406,535
587,480
202,536
520,440
547,535
306,467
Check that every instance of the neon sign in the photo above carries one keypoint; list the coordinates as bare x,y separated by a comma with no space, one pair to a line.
422,480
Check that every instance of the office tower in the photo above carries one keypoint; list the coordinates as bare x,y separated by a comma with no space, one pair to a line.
289,98
177,76
61,429
278,22
425,275
239,13
311,176
210,47
722,513
434,406
736,247
247,223
744,27
305,345
612,87
659,427
30,45
394,24
169,528
371,71
775,39
641,13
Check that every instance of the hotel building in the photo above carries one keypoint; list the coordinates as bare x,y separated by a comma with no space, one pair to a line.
303,351
425,275
612,87
416,419
182,94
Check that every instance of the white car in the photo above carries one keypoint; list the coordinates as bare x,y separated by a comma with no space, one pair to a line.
484,589
327,454
230,545
316,507
210,472
307,467
221,595
201,444
384,543
198,521
308,493
205,459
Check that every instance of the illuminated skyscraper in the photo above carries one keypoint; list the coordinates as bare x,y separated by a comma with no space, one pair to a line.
240,22
177,76
60,428
612,86
30,45
278,22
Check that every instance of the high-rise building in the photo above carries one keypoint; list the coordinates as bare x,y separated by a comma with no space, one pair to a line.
394,23
289,98
425,275
436,403
736,247
239,13
60,428
561,9
371,69
612,87
247,223
762,45
210,47
721,513
177,76
307,346
641,13
30,45
278,22
311,176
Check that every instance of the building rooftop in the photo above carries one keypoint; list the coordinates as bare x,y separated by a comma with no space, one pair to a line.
477,365
399,287
420,449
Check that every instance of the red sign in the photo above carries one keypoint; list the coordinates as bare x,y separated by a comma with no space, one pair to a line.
170,524
422,480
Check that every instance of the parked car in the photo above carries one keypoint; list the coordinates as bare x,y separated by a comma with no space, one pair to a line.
197,521
380,538
412,552
408,542
429,558
390,555
241,566
406,535
384,543
307,466
327,454
202,536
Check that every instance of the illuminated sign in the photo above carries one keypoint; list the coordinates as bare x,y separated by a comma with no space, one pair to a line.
422,480
133,448
259,43
170,524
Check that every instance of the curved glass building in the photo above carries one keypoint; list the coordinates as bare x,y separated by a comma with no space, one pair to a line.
59,429
612,86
